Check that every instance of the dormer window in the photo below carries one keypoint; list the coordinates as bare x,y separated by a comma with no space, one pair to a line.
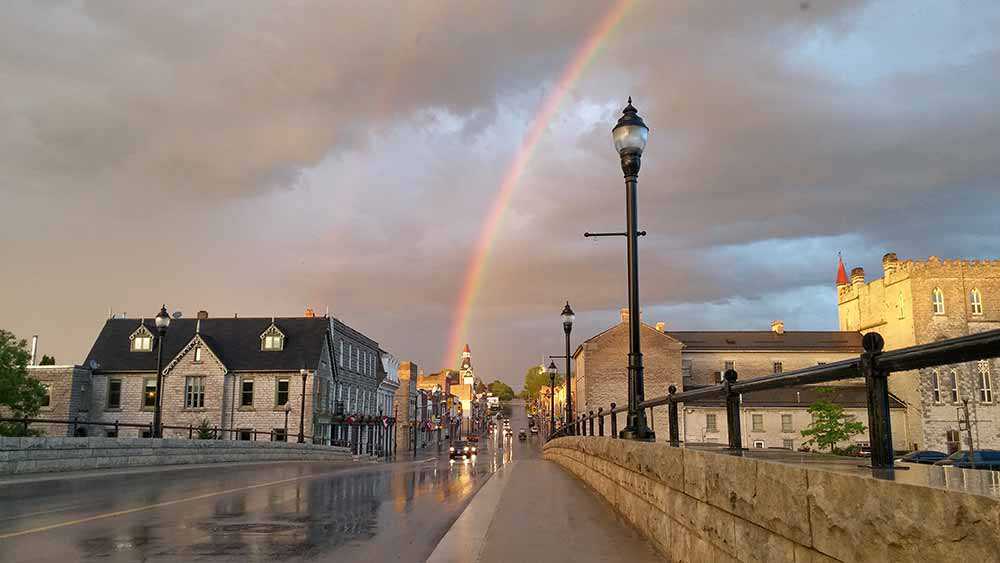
141,340
272,340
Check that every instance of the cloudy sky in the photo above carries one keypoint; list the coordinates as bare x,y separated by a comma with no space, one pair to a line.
261,157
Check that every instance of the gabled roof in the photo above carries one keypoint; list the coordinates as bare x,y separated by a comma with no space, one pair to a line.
608,330
801,396
825,340
235,341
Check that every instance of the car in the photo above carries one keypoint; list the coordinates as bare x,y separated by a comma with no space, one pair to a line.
472,438
534,430
927,457
461,448
522,435
981,459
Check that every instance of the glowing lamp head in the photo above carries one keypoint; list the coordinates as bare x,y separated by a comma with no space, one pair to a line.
552,370
631,133
567,314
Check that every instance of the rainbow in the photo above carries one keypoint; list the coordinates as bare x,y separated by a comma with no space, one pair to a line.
549,106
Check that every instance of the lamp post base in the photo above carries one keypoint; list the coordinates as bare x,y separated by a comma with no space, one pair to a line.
640,434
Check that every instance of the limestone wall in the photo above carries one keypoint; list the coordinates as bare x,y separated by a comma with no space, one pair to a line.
37,455
700,506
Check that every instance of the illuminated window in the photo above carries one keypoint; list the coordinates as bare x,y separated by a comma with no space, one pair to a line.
141,340
272,340
149,392
937,299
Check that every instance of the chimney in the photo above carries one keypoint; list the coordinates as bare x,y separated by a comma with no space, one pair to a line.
857,276
889,263
309,313
661,327
778,327
34,349
202,315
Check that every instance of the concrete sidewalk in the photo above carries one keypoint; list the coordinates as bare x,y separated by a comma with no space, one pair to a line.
532,510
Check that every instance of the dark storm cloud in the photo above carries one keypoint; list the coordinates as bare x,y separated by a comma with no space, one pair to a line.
242,157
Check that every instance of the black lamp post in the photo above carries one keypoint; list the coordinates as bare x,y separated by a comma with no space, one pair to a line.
568,317
162,322
302,414
630,135
552,397
288,409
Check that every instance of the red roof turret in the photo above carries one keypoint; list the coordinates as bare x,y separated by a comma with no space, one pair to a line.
841,272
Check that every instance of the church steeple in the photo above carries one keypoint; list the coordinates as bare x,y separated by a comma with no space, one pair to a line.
841,271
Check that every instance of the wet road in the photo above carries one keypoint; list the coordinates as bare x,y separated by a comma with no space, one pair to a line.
261,512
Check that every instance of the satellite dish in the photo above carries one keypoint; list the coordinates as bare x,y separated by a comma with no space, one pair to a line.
93,364
177,314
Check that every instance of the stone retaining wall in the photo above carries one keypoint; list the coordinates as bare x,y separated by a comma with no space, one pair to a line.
37,455
701,506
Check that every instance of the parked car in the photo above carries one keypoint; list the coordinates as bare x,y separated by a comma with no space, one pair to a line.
981,459
522,435
461,449
927,457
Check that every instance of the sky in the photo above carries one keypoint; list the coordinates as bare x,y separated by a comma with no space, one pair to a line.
259,158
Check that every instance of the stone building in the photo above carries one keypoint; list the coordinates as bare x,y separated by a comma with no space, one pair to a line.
358,375
405,400
689,359
919,302
68,392
234,374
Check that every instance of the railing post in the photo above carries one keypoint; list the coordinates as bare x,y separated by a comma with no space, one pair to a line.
116,429
651,421
614,422
24,420
151,434
73,432
190,431
600,421
877,384
733,413
591,423
672,421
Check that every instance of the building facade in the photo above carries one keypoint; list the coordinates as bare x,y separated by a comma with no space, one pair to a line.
919,302
406,405
358,375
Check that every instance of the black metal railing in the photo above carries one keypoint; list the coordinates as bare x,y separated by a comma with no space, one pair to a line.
873,365
145,430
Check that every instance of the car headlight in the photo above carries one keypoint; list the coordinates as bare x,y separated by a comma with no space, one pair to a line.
466,448
451,449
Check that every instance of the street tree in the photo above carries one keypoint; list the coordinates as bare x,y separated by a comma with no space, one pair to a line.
21,395
830,425
501,390
534,380
47,361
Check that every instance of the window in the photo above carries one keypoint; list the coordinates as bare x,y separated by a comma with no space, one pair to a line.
149,392
757,422
759,444
246,393
272,340
281,392
937,299
728,365
141,340
47,399
786,423
954,386
686,369
901,305
777,367
197,354
245,434
114,394
112,433
985,384
194,393
710,423
976,300
278,435
936,386
357,360
145,434
788,444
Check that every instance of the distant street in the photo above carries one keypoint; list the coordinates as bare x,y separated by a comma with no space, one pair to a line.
262,512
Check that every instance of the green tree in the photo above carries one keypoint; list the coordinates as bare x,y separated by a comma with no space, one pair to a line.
20,394
47,361
830,425
501,390
205,430
534,379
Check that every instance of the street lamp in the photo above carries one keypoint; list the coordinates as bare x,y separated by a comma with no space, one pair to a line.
302,414
630,135
568,317
552,397
288,409
162,320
